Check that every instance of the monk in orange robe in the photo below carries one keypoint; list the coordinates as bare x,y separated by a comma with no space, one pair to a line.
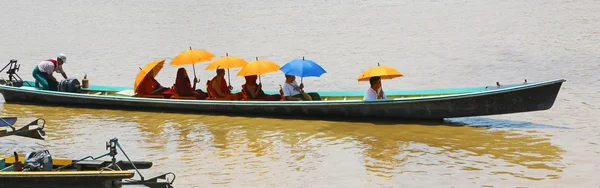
149,86
184,87
218,87
251,90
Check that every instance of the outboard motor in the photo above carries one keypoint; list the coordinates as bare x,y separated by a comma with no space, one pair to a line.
13,78
38,161
71,85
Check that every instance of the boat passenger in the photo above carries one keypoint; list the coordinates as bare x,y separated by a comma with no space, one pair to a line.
218,88
183,86
375,91
42,73
294,92
149,86
253,91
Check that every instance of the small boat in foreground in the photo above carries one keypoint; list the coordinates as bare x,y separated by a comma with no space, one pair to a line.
39,169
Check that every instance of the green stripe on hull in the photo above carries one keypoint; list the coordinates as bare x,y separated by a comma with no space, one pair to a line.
330,95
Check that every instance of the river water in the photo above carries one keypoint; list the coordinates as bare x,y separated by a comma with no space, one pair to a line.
433,43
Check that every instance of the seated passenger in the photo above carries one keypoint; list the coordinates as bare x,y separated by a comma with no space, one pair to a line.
251,90
149,86
184,88
217,88
375,91
293,92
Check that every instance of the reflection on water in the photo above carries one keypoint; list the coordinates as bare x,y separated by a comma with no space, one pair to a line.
242,151
497,123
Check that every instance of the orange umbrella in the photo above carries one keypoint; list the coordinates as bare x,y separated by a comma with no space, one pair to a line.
227,62
192,57
258,67
153,67
384,72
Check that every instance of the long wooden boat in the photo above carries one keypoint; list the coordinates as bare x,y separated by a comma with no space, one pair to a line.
430,104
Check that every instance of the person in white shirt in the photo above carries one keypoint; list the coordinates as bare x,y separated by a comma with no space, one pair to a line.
375,91
42,73
292,91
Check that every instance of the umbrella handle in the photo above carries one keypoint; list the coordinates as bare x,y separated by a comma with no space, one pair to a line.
228,78
194,67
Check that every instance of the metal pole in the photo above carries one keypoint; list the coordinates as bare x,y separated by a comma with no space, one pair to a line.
132,164
228,78
194,67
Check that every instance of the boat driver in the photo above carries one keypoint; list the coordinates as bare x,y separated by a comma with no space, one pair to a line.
43,72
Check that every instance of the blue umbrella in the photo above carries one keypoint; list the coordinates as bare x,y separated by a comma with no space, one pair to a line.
302,68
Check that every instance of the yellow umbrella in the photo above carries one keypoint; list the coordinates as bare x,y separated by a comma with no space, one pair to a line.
192,57
227,62
153,67
384,72
258,67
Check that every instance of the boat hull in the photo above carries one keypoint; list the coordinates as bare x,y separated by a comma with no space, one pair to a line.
493,101
93,179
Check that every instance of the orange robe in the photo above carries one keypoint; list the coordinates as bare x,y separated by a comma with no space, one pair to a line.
224,89
260,95
146,87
